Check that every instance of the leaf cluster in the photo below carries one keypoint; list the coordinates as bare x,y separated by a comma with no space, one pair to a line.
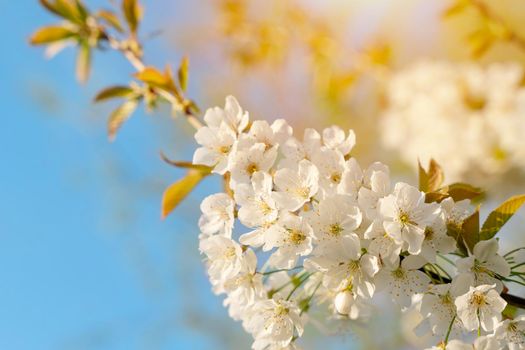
489,30
470,231
116,30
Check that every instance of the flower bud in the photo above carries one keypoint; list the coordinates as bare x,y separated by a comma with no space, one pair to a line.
343,302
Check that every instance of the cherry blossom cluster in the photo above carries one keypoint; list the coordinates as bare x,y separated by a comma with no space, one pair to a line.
466,104
301,225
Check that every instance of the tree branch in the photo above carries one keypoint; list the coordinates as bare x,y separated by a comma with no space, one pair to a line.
137,63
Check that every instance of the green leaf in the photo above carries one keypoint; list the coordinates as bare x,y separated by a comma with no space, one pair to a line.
176,192
119,116
113,92
435,176
83,62
183,73
460,191
110,18
50,34
499,216
132,13
510,312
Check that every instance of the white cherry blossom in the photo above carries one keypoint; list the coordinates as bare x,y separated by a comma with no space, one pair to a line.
345,266
512,333
224,257
270,135
216,145
232,116
334,235
386,247
247,285
378,187
295,187
334,217
404,281
484,264
292,238
481,343
481,307
257,207
436,240
246,162
348,304
217,215
406,214
456,212
331,166
438,308
274,322
334,138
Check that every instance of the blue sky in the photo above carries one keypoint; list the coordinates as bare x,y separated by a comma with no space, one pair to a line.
86,262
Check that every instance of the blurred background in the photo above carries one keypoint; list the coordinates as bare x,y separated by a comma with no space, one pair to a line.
86,262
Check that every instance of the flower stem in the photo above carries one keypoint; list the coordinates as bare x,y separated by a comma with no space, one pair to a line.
280,270
513,251
449,329
301,281
310,298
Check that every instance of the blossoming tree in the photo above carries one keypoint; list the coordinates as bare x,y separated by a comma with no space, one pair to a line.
301,225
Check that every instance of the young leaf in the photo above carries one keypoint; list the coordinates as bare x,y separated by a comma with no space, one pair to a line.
459,191
431,197
119,116
153,77
423,178
83,62
71,10
113,92
110,18
455,9
82,11
132,13
480,42
435,176
510,312
51,7
176,192
470,230
499,216
183,73
50,34
183,164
